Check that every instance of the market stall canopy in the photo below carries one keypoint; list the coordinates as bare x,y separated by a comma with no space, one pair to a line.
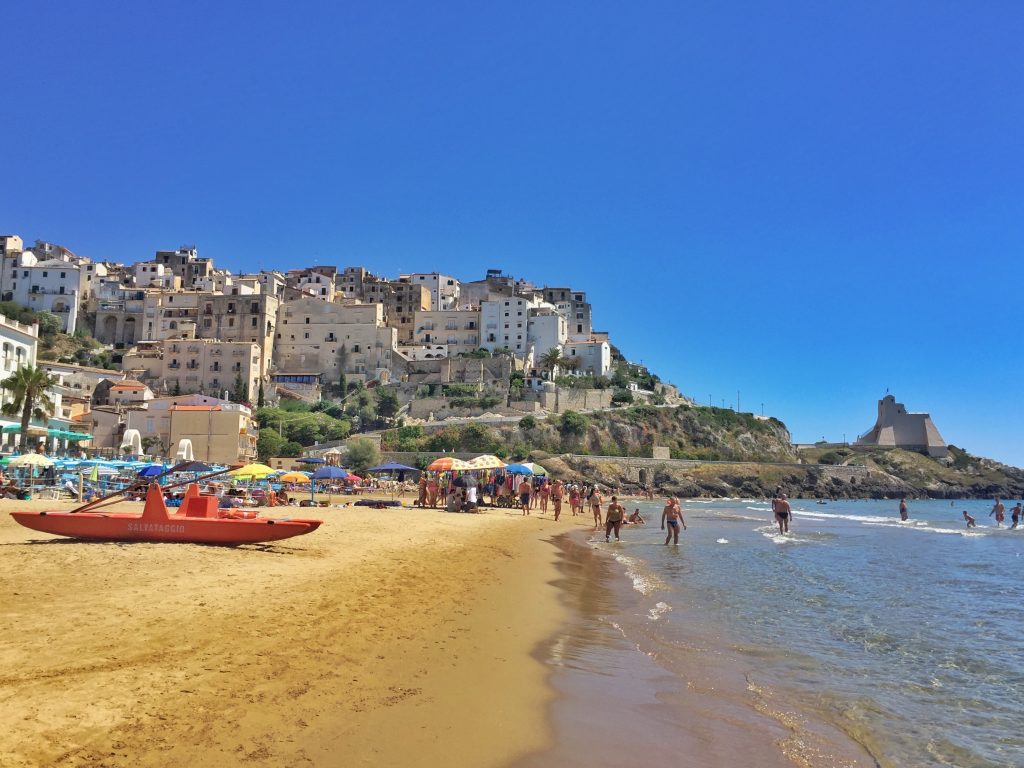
537,469
487,461
448,464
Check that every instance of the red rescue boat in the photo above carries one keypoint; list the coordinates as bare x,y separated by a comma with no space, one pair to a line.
197,521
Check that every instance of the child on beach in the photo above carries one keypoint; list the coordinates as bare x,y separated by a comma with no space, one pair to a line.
970,520
673,515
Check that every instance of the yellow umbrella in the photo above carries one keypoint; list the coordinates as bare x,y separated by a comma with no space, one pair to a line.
294,477
486,461
30,460
252,471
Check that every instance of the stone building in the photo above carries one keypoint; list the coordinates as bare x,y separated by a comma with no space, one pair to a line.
329,338
895,428
190,365
220,432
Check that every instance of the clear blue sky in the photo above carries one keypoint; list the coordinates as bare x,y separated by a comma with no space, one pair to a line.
808,202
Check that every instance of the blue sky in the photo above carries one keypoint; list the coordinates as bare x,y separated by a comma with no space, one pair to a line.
806,202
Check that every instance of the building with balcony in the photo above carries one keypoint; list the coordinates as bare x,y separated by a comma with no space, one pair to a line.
331,338
186,264
191,365
43,286
220,431
459,331
444,289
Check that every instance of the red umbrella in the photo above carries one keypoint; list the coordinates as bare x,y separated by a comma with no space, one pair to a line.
353,478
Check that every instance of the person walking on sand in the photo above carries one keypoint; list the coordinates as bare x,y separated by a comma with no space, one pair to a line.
544,492
556,497
614,519
525,490
673,515
999,511
903,509
595,507
421,499
783,512
574,498
971,522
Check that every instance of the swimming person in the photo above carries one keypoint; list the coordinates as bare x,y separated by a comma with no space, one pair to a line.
1015,515
903,509
999,511
971,523
614,518
673,515
783,512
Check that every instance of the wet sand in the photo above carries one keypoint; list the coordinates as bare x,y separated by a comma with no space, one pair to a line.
387,637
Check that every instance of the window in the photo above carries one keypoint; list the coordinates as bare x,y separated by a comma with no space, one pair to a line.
63,274
255,307
307,321
579,329
305,335
255,322
231,322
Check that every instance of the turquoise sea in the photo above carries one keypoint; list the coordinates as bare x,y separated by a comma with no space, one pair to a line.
905,640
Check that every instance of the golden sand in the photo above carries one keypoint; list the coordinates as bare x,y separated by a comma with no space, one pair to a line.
386,637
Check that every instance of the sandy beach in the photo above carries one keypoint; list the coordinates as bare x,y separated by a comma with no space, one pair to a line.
387,637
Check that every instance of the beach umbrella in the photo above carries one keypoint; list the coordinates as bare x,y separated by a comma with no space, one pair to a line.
392,467
448,464
30,460
330,473
252,471
353,478
537,469
192,466
153,470
518,469
294,477
487,461
311,460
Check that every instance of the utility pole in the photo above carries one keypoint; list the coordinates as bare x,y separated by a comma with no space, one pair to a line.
762,409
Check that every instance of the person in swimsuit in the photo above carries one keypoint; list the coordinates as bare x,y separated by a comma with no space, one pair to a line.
999,511
595,507
421,499
613,519
673,515
1015,515
782,513
971,523
574,499
636,518
544,492
556,497
903,509
525,489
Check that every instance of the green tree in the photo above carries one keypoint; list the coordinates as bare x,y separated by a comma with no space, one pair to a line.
29,396
387,402
49,324
573,423
260,402
268,444
362,454
550,360
527,423
239,392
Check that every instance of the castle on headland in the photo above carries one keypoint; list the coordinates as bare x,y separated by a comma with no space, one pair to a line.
895,428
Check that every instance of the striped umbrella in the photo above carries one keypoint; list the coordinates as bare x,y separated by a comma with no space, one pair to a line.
448,464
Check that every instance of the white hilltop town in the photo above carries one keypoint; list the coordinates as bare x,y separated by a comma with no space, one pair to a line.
189,350
184,351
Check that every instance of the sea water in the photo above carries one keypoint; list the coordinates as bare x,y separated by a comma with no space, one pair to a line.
906,637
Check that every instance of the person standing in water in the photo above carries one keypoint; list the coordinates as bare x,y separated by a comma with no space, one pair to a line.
903,509
595,507
971,523
999,511
673,515
614,518
1015,514
783,512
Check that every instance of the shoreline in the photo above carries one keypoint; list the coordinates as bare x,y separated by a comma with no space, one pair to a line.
664,703
382,638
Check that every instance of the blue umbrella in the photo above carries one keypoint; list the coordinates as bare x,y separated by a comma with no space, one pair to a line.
392,467
330,473
311,460
153,470
518,469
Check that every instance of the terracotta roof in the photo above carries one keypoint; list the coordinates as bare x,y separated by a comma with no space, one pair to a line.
195,408
129,384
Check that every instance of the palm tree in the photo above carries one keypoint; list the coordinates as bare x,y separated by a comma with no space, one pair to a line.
28,388
551,359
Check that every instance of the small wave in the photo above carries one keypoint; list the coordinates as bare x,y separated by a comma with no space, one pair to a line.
831,516
644,581
721,541
659,609
971,532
